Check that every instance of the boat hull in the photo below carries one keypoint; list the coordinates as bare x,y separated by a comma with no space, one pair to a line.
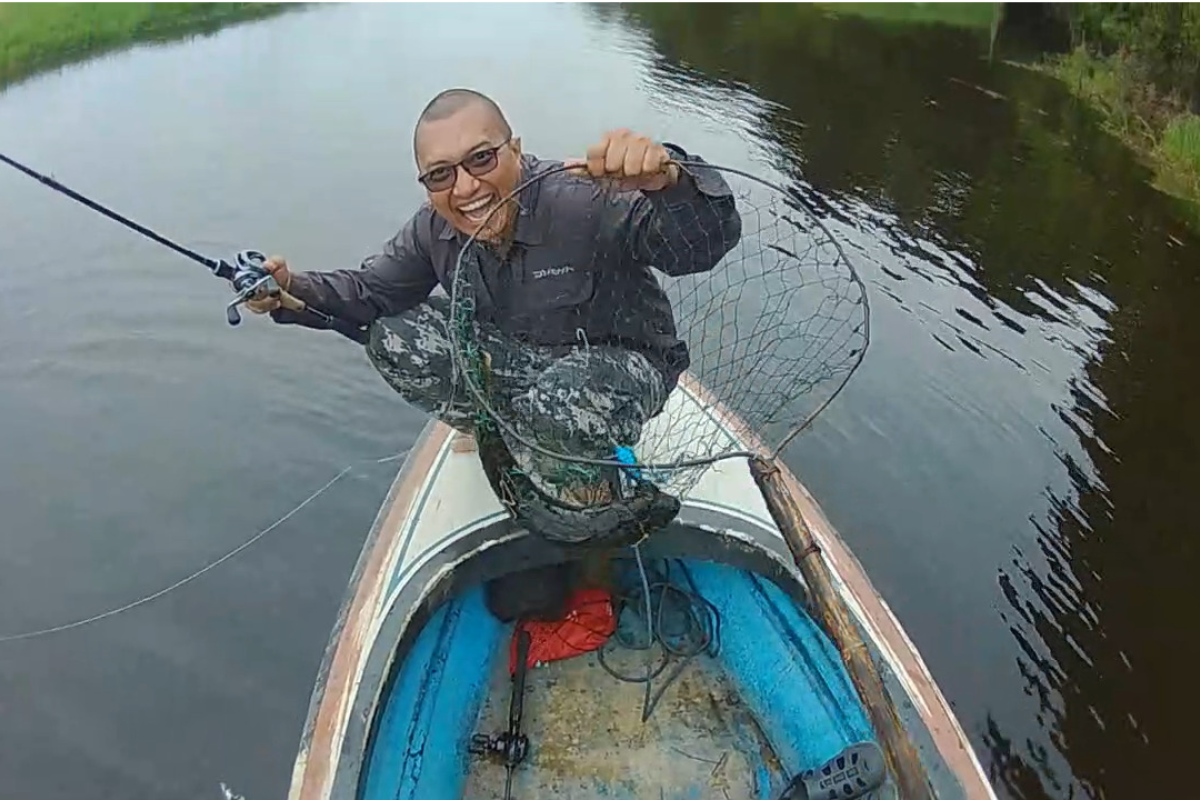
773,698
441,532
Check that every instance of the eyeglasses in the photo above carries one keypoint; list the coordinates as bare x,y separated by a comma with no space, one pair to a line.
477,164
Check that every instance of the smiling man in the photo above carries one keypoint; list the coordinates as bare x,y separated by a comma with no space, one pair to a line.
580,338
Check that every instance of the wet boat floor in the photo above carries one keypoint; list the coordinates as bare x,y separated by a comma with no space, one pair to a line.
587,739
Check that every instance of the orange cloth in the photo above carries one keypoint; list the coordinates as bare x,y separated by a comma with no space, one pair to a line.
588,623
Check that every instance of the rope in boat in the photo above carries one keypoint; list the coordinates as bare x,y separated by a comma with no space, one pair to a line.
207,567
701,624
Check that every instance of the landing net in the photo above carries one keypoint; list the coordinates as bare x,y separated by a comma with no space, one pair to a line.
772,314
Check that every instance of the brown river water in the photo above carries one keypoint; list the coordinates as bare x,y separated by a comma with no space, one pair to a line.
1012,462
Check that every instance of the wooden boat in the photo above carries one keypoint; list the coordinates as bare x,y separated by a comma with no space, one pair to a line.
418,668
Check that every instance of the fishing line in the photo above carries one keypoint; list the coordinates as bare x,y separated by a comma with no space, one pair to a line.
206,568
637,554
249,278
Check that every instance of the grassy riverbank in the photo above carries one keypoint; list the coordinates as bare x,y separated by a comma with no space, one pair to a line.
1138,65
1156,125
39,36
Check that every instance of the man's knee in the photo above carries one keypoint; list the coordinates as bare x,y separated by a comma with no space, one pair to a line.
391,350
411,351
578,417
412,344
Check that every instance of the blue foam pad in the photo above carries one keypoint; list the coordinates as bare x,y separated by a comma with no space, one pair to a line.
420,749
787,670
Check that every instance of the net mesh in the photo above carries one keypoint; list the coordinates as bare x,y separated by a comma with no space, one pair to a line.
563,327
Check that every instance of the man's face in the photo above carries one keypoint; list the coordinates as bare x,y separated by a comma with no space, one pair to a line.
449,149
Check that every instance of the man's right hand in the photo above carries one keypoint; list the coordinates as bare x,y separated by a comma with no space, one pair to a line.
278,268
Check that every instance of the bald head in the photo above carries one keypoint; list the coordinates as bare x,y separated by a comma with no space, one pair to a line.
468,161
450,102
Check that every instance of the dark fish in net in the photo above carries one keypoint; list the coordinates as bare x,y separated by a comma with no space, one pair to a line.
594,415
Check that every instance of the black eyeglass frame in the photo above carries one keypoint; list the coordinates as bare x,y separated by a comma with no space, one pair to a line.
471,163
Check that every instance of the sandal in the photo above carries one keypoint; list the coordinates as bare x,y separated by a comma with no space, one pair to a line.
852,774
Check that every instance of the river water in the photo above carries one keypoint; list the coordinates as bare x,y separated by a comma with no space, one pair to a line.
1013,463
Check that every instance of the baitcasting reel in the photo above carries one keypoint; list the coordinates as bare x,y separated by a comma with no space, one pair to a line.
248,275
249,278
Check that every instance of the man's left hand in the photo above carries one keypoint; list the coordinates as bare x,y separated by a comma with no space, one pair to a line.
633,161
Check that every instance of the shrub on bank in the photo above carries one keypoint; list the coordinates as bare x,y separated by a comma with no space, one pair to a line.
1138,64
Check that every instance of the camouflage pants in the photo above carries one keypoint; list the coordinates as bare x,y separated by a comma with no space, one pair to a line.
584,403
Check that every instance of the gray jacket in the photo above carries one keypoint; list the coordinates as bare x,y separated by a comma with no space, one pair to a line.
580,265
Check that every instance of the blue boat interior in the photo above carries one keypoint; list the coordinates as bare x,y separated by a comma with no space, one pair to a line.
749,693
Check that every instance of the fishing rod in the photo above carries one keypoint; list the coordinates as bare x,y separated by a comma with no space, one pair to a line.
247,273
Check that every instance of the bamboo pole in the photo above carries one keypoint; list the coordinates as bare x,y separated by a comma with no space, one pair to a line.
901,755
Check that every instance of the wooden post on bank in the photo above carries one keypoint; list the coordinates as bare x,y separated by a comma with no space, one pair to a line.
903,761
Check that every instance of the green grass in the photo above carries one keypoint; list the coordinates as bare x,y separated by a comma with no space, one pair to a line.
1181,141
1179,150
39,36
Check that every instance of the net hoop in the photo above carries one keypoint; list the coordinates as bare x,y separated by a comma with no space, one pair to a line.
464,369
